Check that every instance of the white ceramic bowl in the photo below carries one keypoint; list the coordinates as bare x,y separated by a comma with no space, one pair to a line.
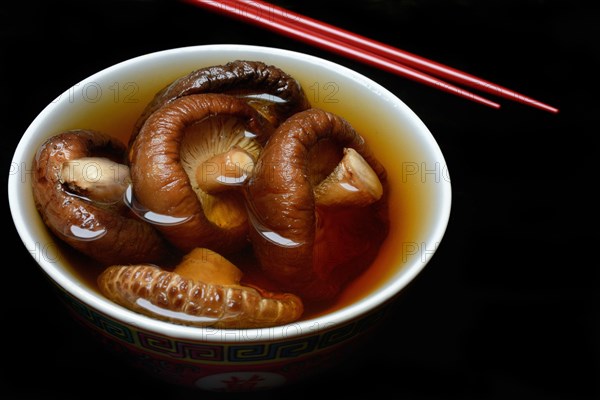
111,101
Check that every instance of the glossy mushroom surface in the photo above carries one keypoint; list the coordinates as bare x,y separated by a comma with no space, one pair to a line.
273,92
172,158
203,290
79,178
314,248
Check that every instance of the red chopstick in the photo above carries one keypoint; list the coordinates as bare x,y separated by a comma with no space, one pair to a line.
411,60
361,48
234,8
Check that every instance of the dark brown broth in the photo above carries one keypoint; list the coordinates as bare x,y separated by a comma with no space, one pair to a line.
406,209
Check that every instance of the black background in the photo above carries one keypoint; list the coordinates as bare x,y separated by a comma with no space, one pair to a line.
507,308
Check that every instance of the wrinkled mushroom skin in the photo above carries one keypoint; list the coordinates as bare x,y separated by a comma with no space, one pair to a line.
117,234
169,296
320,249
161,184
237,77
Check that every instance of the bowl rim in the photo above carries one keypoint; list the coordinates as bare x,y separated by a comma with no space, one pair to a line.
301,328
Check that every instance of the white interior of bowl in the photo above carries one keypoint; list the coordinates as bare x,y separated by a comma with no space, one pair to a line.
139,78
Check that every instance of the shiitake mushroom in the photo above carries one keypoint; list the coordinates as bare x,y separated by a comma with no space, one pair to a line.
183,146
79,178
203,290
273,92
318,205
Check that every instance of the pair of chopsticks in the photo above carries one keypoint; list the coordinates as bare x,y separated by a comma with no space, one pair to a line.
363,49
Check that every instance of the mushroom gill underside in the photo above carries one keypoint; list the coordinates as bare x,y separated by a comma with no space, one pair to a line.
185,147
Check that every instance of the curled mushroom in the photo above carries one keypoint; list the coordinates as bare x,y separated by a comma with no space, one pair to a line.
186,158
318,205
79,178
274,93
203,290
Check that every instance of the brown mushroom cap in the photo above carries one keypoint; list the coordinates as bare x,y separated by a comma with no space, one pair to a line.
107,232
204,290
165,158
244,78
310,250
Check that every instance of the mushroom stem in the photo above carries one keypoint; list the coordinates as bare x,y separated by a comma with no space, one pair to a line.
224,170
352,182
96,178
205,265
